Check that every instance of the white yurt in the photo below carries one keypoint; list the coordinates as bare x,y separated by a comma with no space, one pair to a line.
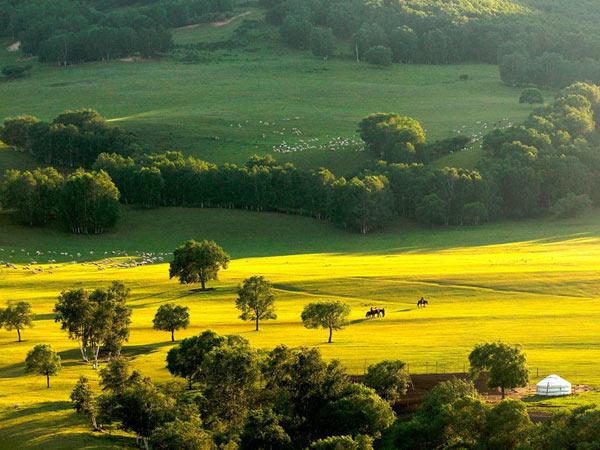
553,386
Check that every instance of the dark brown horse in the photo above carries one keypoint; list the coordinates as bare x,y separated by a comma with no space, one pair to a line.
422,303
375,312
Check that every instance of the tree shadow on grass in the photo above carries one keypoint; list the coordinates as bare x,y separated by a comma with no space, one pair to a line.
144,349
39,317
38,427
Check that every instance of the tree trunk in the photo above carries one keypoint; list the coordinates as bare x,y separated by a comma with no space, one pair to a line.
47,381
96,352
257,322
19,333
145,441
83,352
203,284
94,423
330,334
502,390
172,334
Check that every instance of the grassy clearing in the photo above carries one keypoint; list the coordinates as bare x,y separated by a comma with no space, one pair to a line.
534,283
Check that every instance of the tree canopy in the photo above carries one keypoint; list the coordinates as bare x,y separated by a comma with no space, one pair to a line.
256,300
198,262
42,360
330,315
16,316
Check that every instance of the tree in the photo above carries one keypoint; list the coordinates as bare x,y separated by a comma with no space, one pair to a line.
84,401
97,320
195,262
34,195
262,430
186,359
182,435
378,56
474,213
229,374
531,96
322,42
508,426
392,137
452,415
16,316
359,411
114,376
432,210
89,202
256,300
389,379
505,364
171,317
572,205
73,310
43,361
15,131
140,407
302,384
332,315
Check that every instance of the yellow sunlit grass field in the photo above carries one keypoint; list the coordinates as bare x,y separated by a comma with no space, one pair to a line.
540,291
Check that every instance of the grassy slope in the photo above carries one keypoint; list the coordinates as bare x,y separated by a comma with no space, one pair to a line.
217,111
533,283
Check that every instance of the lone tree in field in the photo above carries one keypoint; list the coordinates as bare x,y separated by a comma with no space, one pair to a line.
505,364
16,316
84,401
97,320
42,360
392,137
331,315
171,317
198,262
256,300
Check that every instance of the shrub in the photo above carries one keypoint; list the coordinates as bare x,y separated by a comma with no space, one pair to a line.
531,96
572,205
14,72
379,56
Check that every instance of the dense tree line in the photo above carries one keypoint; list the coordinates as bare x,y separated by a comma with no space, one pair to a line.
548,159
550,69
83,202
71,31
73,139
449,33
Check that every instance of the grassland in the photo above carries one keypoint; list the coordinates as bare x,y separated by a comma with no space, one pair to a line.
242,103
534,283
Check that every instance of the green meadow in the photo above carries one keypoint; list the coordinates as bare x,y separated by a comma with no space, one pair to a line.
245,103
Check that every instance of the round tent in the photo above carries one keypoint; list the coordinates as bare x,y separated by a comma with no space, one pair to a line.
553,386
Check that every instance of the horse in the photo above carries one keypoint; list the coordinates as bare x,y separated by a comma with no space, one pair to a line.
375,312
422,303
